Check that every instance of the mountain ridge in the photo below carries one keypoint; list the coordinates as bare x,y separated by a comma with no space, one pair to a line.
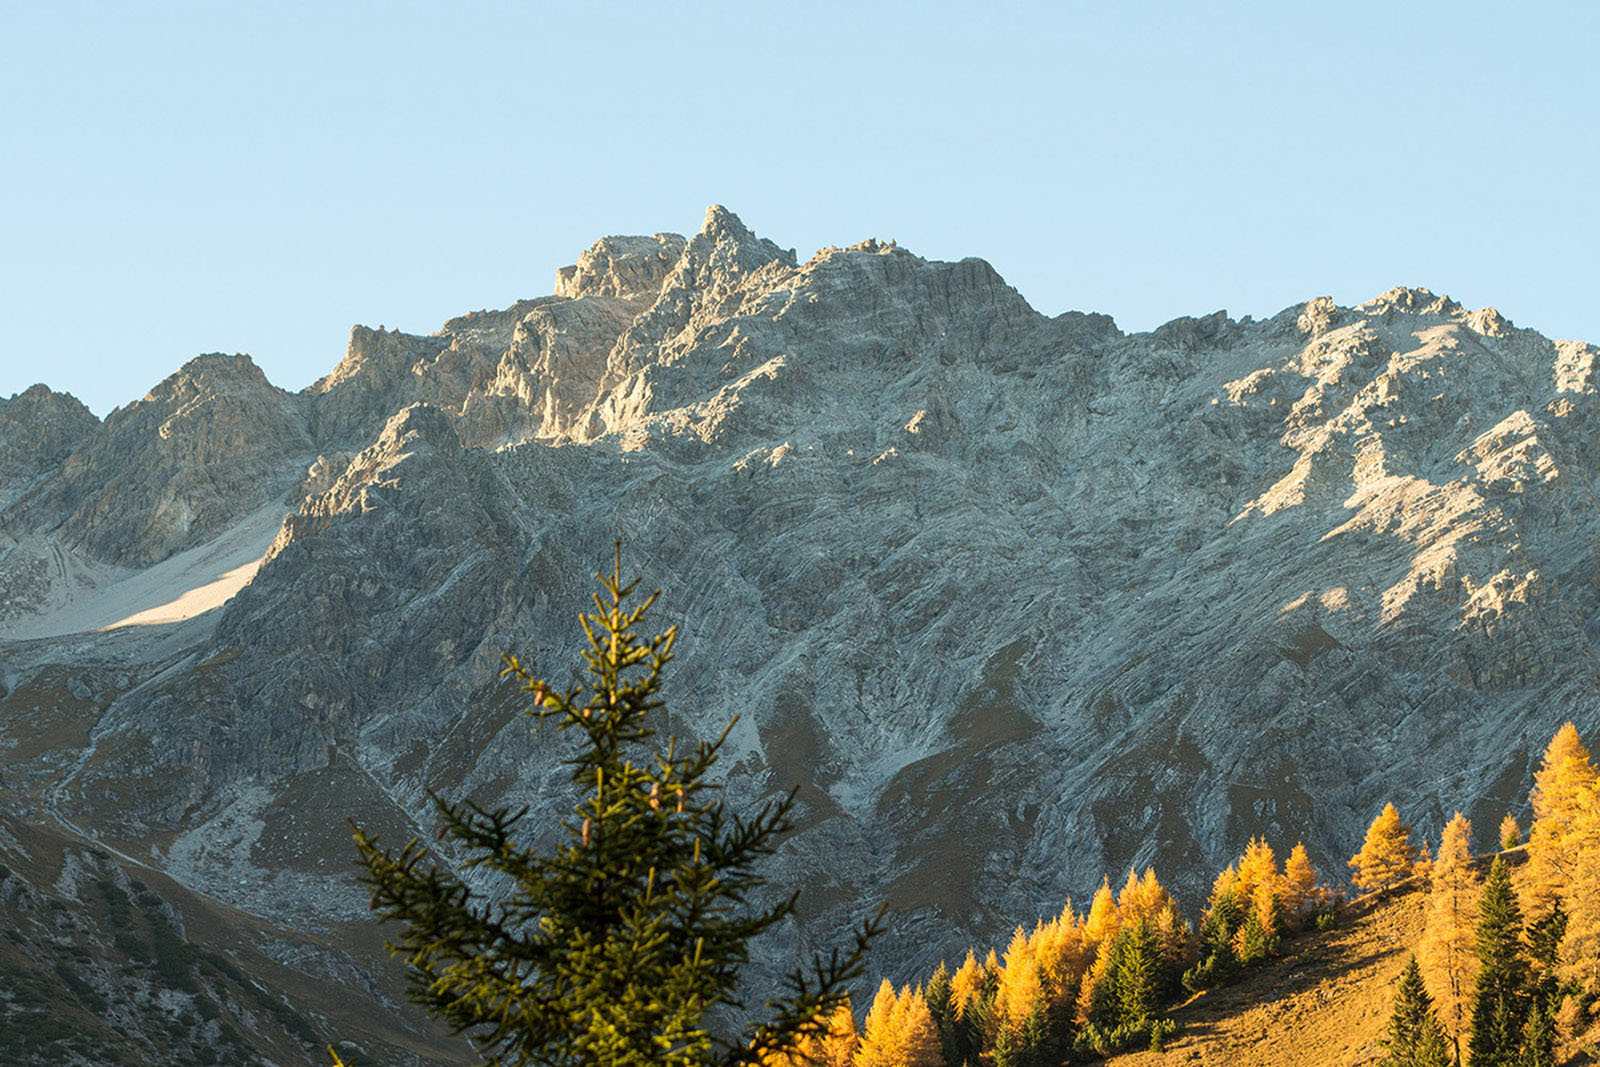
1011,599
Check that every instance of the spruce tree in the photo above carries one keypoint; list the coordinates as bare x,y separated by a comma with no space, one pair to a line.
1545,988
612,948
1500,999
1414,1038
1251,943
1138,976
943,1009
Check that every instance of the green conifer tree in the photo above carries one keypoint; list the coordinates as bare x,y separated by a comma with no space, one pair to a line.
1500,999
1545,989
977,1027
1251,943
1414,1038
1218,962
940,1006
610,950
1138,977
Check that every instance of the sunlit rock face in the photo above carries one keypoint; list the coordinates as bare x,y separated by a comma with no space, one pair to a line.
204,448
1012,601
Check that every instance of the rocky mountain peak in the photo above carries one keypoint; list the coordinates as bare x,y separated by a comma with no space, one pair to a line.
1412,300
212,374
725,249
38,428
204,447
628,267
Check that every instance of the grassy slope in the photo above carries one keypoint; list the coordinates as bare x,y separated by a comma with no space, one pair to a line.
1324,1003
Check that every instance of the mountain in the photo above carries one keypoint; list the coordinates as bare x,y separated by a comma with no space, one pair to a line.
1012,601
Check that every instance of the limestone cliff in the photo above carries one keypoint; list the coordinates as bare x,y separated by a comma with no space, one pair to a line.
1011,600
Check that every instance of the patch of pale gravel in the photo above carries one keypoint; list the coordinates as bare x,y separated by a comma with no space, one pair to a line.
88,598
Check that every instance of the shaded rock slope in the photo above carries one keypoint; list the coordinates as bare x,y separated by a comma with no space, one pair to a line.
1011,600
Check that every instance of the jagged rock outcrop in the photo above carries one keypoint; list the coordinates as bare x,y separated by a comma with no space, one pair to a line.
1011,600
38,428
209,444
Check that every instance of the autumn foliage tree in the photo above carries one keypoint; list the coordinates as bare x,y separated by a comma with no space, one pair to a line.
1561,790
1580,956
1449,939
832,1046
899,1031
1387,856
612,948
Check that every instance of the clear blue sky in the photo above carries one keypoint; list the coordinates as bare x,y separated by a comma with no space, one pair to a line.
177,179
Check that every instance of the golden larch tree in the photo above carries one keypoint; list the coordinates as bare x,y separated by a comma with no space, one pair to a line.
1387,855
1103,919
1299,886
1260,886
966,985
1423,867
1176,938
1559,788
1580,951
1258,866
835,1046
1510,832
1142,898
1063,956
1021,987
878,1038
1449,939
899,1032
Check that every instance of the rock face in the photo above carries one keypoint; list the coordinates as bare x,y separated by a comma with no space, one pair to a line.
211,443
1011,600
38,428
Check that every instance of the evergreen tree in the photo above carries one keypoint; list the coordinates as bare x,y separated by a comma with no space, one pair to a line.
1097,1000
1252,943
1545,989
1219,963
1387,856
1138,977
612,949
1500,997
1414,1038
942,1007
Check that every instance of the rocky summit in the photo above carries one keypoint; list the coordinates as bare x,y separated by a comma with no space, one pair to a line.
1011,601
